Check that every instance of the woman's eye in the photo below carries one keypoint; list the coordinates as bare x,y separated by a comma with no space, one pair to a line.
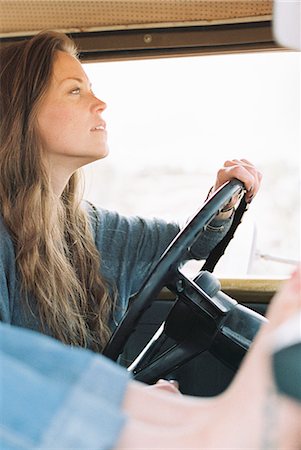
75,91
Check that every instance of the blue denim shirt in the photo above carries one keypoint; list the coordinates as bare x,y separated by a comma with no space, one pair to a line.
57,397
129,247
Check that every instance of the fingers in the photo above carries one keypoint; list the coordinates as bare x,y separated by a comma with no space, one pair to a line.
243,170
171,386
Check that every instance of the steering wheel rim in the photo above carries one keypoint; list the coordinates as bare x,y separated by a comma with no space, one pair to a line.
168,265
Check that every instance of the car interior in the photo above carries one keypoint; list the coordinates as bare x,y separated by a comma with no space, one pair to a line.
196,329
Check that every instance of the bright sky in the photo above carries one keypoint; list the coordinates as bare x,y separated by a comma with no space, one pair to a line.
239,105
191,114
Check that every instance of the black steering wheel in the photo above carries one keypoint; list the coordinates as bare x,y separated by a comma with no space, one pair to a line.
202,317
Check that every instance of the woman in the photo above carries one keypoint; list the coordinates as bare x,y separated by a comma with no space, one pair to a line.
67,268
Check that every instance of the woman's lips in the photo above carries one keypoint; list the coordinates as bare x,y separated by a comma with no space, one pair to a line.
100,127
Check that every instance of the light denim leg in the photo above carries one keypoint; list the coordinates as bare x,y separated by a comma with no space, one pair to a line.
56,397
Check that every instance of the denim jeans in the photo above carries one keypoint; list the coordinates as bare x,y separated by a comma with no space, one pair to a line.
57,397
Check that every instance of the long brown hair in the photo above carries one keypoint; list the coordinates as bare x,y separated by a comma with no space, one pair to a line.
57,261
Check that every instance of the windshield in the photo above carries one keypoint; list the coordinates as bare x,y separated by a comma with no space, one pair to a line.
173,122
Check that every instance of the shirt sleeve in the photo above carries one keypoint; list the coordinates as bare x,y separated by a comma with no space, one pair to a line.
57,397
130,247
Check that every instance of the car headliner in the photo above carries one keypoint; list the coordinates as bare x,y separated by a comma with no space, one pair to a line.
105,30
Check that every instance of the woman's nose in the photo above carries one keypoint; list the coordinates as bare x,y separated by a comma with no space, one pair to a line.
99,104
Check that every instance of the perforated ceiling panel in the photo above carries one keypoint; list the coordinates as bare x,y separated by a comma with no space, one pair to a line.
26,16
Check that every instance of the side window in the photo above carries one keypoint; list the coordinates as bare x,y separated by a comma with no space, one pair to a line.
173,122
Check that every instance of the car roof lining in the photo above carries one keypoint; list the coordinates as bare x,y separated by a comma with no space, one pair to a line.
20,17
137,29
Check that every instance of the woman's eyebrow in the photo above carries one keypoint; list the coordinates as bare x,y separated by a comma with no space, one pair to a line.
80,80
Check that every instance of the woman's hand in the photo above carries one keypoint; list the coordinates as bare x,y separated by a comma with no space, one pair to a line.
243,170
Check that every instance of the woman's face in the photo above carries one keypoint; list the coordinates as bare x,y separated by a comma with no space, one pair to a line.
69,120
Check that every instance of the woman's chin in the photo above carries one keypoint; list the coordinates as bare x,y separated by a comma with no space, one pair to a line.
98,155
